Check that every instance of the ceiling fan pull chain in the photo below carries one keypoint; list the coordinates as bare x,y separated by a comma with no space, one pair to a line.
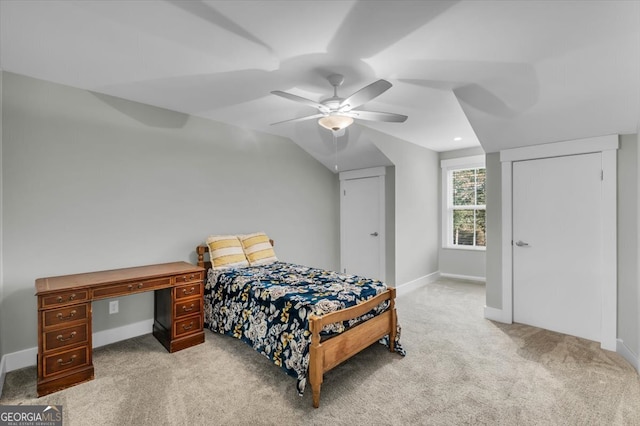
335,146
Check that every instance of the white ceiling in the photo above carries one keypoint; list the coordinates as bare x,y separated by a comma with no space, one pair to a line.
499,73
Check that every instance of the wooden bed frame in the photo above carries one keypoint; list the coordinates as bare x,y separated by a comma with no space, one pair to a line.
324,355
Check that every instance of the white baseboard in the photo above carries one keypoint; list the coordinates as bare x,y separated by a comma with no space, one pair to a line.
29,357
21,359
627,354
418,282
463,277
3,372
495,314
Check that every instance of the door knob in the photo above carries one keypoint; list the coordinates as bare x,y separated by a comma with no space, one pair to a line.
520,243
374,234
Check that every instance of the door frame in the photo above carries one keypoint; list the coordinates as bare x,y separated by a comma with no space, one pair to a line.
607,146
373,172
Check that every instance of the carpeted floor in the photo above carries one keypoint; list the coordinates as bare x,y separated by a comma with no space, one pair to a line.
459,369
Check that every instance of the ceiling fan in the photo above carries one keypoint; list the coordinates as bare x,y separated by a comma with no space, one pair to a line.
336,113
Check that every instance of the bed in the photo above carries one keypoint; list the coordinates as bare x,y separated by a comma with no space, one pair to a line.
306,320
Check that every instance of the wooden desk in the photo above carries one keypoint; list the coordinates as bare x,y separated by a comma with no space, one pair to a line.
64,315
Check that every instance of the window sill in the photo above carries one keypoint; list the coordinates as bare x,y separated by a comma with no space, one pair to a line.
468,248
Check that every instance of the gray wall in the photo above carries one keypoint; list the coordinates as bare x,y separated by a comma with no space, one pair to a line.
463,263
1,221
417,206
636,350
92,182
637,286
494,231
470,263
628,242
390,225
628,256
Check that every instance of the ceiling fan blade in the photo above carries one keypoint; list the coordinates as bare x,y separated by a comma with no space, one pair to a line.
377,116
364,95
293,120
300,99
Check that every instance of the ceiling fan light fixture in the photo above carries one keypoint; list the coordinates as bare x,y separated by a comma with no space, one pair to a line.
335,122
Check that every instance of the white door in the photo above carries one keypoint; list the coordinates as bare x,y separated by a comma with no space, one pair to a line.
361,233
557,243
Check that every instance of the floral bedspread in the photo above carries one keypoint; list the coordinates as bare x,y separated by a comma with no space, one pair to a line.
268,308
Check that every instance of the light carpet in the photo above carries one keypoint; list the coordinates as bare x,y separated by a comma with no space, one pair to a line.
460,369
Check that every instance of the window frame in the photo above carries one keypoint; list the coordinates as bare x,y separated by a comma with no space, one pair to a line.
448,167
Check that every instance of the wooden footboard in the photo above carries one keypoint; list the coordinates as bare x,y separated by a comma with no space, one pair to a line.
328,354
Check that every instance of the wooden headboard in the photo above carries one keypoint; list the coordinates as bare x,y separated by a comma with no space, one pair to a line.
202,249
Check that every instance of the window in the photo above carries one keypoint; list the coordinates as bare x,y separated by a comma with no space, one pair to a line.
464,203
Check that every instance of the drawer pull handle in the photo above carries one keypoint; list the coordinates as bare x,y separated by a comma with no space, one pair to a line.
72,297
184,308
62,339
184,290
188,327
130,286
71,315
73,358
140,285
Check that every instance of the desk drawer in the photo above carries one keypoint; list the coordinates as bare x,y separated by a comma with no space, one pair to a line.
59,299
187,326
186,278
189,290
65,337
188,307
130,287
60,316
61,361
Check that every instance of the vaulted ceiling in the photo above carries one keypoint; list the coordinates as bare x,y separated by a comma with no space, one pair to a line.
496,73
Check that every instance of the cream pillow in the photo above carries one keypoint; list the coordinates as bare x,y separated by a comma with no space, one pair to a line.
225,251
258,249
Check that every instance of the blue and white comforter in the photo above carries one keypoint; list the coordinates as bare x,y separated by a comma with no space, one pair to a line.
268,307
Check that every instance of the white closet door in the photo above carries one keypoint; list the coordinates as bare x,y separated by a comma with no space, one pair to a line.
557,243
362,236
